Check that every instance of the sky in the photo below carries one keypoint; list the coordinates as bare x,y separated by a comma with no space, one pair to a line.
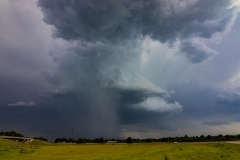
120,68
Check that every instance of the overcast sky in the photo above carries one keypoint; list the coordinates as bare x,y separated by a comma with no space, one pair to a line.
119,68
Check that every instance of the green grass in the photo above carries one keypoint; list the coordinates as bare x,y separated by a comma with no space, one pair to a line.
39,150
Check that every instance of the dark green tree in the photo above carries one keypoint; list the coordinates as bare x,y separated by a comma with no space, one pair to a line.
129,140
41,138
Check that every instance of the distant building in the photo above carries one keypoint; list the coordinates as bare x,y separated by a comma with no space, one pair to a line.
111,142
19,139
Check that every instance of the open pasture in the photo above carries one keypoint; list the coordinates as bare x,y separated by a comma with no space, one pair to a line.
38,150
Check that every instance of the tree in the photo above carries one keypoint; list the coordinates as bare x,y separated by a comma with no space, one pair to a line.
129,140
99,140
41,138
83,140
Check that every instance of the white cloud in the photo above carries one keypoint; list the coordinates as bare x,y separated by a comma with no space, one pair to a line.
230,85
235,3
117,78
159,105
22,104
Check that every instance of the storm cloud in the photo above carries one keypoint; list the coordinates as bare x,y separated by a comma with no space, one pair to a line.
116,20
117,68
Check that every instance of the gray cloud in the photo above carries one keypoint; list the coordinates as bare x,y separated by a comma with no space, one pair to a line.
230,97
118,20
217,122
99,87
196,51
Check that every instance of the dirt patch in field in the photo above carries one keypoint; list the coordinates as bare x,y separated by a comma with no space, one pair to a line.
234,142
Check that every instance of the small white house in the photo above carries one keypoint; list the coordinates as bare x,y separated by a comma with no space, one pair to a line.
111,142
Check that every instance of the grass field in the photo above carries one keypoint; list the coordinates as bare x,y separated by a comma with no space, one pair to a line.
38,150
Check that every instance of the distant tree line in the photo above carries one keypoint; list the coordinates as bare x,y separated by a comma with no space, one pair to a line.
185,138
82,140
11,133
41,138
100,140
202,138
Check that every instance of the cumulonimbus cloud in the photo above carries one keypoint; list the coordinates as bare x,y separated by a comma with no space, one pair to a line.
103,66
